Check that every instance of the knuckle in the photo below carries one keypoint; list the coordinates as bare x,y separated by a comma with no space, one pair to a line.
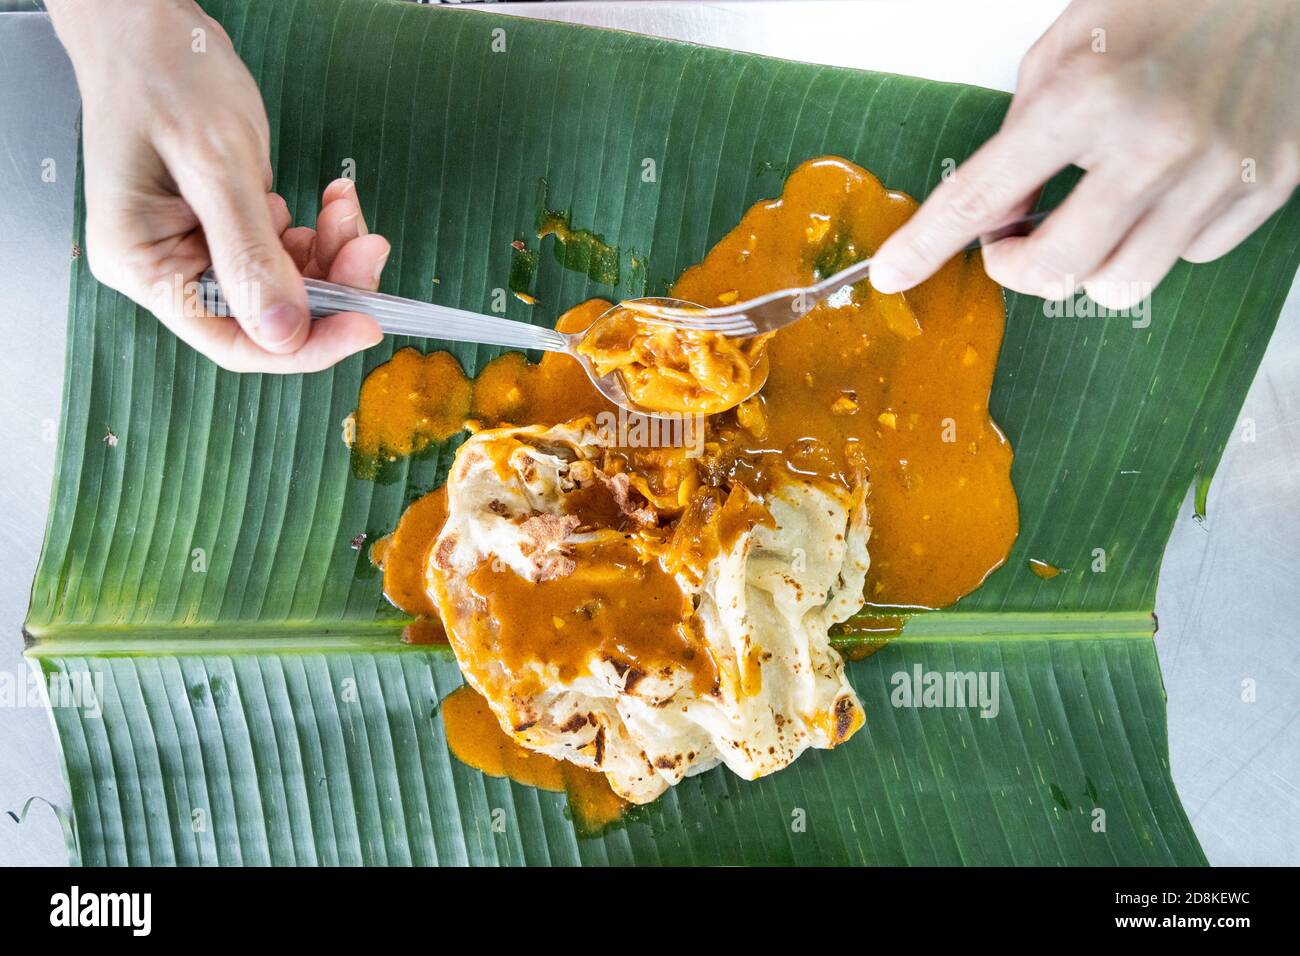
249,257
1222,166
1080,67
1107,91
223,142
138,265
1033,64
1170,130
1076,93
972,204
1220,151
1174,140
173,128
1054,54
1038,51
919,250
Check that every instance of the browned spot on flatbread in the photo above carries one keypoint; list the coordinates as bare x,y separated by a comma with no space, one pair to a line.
544,535
442,556
573,724
629,502
633,677
845,712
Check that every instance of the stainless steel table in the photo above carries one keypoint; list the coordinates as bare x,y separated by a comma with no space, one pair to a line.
1228,600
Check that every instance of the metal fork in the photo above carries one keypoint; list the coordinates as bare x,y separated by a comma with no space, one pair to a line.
772,311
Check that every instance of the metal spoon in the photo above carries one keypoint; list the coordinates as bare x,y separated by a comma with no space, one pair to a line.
398,316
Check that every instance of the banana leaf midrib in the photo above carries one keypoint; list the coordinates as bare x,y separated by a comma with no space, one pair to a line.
308,637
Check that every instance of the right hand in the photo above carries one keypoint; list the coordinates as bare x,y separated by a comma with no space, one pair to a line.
1168,105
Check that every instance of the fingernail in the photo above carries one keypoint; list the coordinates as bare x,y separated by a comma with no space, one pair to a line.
886,279
278,325
379,268
350,222
348,184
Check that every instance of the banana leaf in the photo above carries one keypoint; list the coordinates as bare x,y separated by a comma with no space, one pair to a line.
252,702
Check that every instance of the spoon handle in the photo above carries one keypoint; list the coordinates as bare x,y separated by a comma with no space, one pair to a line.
398,316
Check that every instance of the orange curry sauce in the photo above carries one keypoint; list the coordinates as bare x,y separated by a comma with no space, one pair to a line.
895,387
476,739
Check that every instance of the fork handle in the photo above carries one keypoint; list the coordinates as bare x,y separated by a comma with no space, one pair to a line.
398,316
1017,227
859,270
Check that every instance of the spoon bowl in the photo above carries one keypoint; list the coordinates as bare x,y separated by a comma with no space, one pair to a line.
611,385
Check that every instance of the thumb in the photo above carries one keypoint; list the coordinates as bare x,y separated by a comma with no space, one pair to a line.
258,278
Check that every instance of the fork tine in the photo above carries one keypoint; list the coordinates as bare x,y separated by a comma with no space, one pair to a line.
729,326
705,321
668,313
712,319
728,320
739,324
